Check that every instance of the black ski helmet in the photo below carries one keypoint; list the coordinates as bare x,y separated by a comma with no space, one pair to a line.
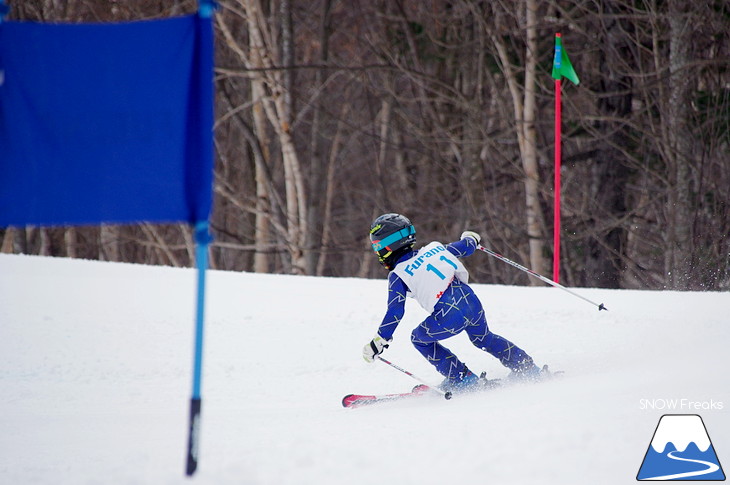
392,235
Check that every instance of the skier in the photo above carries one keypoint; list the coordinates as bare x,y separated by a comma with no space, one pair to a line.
436,278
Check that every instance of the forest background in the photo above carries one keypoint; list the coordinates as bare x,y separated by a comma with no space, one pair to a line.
329,113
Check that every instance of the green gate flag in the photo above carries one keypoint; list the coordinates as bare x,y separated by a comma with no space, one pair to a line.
561,64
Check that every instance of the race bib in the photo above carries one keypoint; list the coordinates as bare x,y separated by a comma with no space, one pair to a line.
430,272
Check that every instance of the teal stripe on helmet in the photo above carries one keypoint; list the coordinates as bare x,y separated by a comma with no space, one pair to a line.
396,236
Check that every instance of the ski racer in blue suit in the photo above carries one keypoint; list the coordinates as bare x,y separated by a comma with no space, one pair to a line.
436,278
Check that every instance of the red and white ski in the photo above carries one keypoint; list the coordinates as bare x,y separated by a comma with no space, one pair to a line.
359,400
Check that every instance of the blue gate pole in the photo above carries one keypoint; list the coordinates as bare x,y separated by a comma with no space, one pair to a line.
202,241
202,235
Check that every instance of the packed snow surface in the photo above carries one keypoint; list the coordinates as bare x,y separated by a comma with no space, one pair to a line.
96,376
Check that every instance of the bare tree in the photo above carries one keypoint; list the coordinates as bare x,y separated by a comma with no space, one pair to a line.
524,105
678,152
329,113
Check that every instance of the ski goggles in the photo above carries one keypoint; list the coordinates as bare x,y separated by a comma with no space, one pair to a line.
392,238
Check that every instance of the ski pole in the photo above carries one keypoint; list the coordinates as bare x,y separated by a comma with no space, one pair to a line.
539,276
446,394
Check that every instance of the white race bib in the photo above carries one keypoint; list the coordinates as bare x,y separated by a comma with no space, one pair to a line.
430,272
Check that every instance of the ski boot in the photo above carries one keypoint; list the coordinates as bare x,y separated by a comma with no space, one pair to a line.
464,382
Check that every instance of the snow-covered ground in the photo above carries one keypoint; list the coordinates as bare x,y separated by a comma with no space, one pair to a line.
96,364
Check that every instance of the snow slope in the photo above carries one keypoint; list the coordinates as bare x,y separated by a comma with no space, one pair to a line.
96,360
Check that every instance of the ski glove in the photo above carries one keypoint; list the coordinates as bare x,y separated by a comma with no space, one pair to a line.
476,237
375,347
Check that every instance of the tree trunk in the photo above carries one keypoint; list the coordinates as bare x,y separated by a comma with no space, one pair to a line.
70,240
316,212
524,110
282,90
529,148
8,246
279,116
679,213
329,197
262,237
109,243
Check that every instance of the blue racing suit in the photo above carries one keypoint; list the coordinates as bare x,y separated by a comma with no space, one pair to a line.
457,309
